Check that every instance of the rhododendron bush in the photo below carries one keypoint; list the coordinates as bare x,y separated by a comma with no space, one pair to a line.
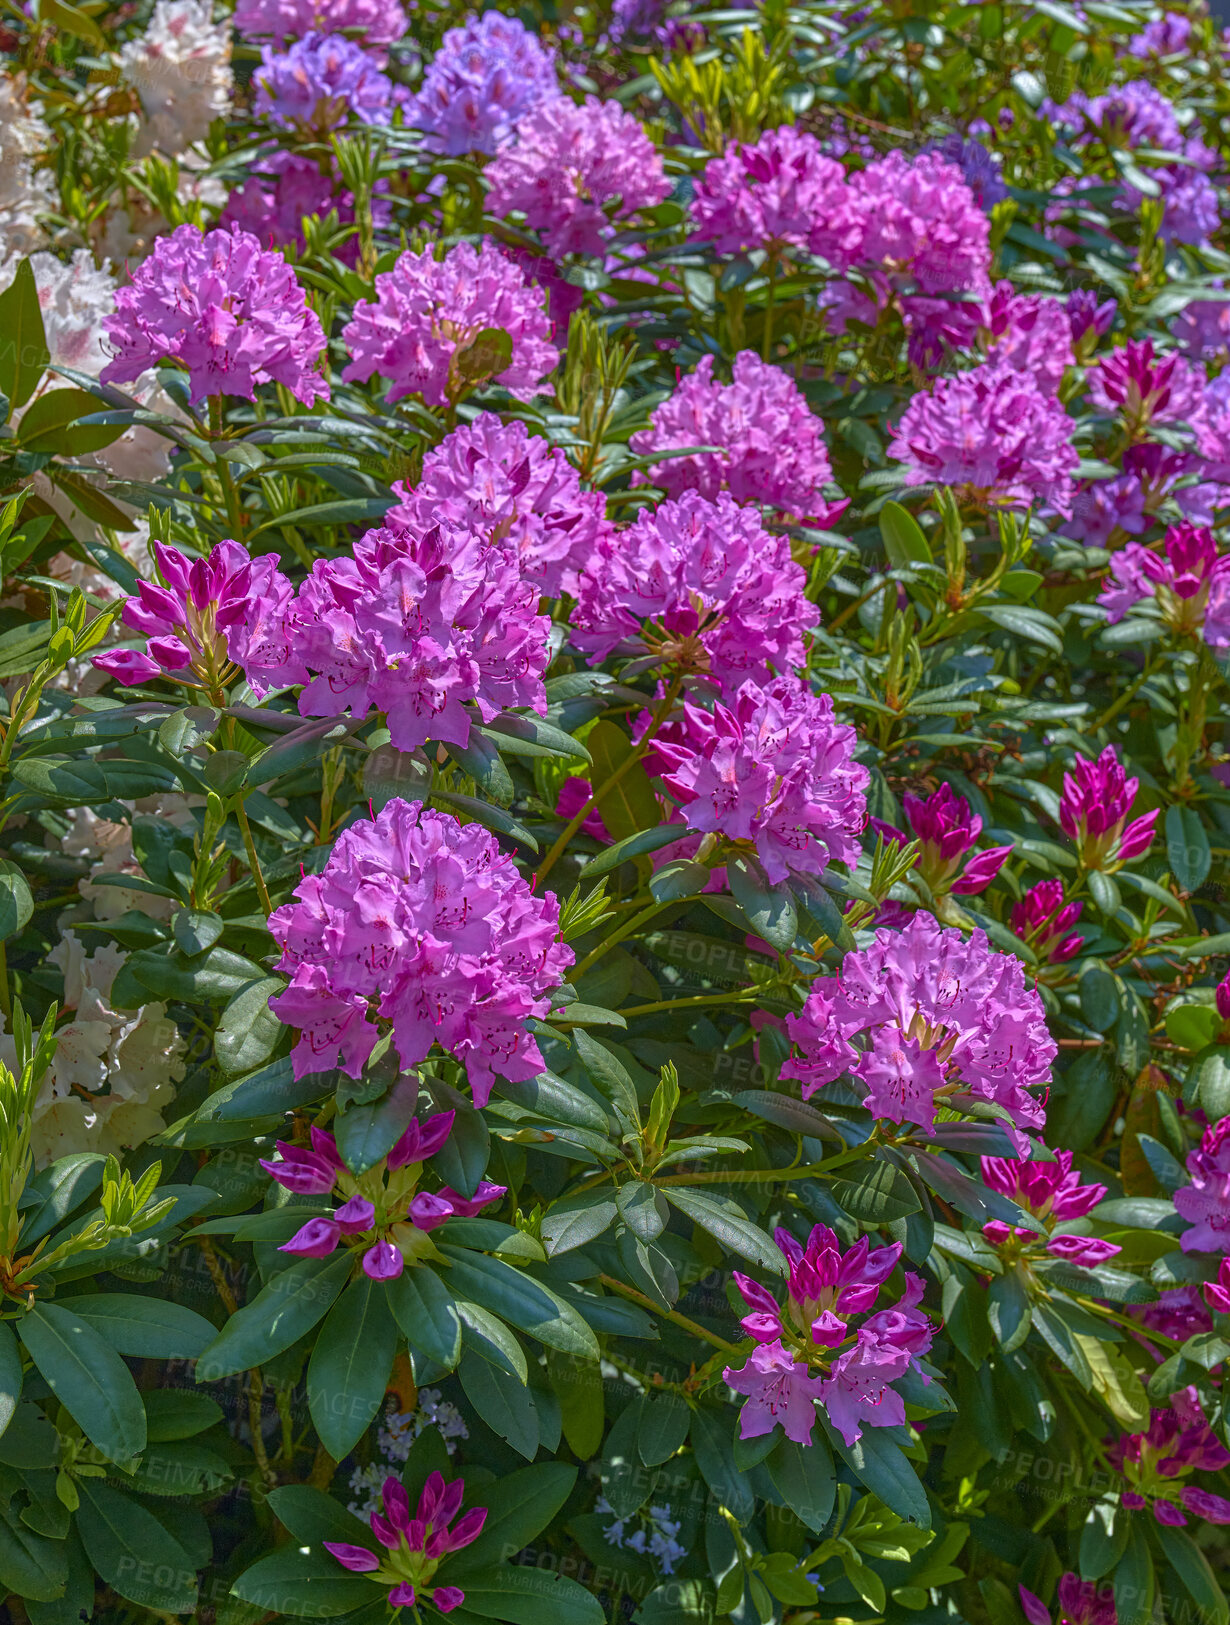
614,813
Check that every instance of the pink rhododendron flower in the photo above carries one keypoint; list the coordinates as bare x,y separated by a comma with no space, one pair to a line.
412,1548
1043,919
941,1016
428,331
383,1215
772,772
1081,1602
701,583
779,194
1190,583
993,435
1217,1293
1142,387
228,311
572,170
921,221
419,627
802,1355
497,477
771,445
1093,812
1205,1203
204,617
1178,1441
1179,1313
421,926
1052,1192
948,830
486,76
1029,331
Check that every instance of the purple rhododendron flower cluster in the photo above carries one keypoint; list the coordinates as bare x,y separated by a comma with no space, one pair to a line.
807,1353
1043,920
772,772
429,329
486,76
994,435
419,626
421,927
321,81
572,169
702,585
227,311
373,22
412,1548
942,1017
495,477
772,447
948,832
922,221
1081,1602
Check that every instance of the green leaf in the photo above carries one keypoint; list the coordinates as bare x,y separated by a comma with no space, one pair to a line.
518,1298
33,1566
23,339
502,1402
311,1516
1008,1310
1098,989
904,541
528,1596
882,1465
350,511
483,762
878,1193
663,1428
213,977
133,1551
365,1134
806,1477
424,1309
1208,1082
10,1375
632,846
349,1370
16,900
152,1328
712,1445
248,1031
726,1220
88,1377
1187,847
280,1314
45,420
307,1584
629,806
1135,1580
575,1220
578,1386
178,1413
1192,1567
770,909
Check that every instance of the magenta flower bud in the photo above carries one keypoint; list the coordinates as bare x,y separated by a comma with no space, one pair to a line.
1048,1190
942,822
1222,998
981,870
396,1502
465,1207
1089,320
1087,1251
355,1216
467,1529
402,1596
383,1262
304,1172
421,1140
446,1598
1212,1508
128,666
1144,388
317,1239
429,1212
1033,1608
355,1558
